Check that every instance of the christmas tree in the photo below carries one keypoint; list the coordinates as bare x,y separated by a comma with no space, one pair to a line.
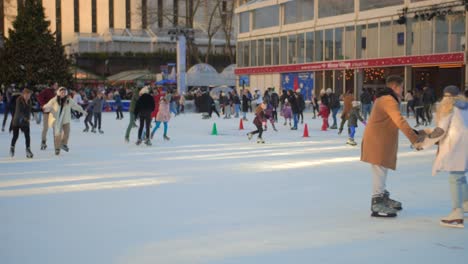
31,55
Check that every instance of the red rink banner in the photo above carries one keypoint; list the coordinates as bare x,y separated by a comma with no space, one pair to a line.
356,64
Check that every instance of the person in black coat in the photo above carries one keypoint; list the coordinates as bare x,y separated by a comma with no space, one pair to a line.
245,104
275,103
300,105
21,121
294,107
143,108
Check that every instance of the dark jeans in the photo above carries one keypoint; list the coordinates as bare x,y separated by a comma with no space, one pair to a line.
428,112
213,109
97,120
119,113
5,115
27,137
87,120
420,114
259,131
275,114
145,121
410,107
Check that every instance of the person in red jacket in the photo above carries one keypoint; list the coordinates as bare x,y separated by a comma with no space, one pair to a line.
43,98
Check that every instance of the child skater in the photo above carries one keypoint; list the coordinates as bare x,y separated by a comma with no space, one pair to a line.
353,117
258,122
324,113
452,155
269,115
287,112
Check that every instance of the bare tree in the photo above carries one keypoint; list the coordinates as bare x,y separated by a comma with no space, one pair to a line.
227,16
213,27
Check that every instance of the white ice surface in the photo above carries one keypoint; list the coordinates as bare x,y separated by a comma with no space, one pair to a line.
223,199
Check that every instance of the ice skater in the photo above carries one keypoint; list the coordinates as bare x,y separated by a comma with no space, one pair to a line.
324,113
258,122
287,112
353,117
143,109
21,120
163,116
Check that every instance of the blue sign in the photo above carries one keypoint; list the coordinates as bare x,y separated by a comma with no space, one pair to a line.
299,80
244,80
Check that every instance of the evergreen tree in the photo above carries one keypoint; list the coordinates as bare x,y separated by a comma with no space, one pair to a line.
31,55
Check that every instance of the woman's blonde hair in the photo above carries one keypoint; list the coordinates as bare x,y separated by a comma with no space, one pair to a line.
446,105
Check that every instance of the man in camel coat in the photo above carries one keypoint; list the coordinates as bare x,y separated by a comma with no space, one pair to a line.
380,144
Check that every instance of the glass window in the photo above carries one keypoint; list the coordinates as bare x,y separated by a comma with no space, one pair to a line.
239,61
300,48
328,8
260,50
292,48
246,53
427,37
339,82
244,20
457,36
361,42
276,51
268,51
386,39
339,43
318,84
284,50
298,11
372,45
372,4
253,53
398,39
309,56
441,27
415,38
350,43
329,44
319,45
266,17
329,79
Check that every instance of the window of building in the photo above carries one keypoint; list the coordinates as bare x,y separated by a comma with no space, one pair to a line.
246,53
372,4
426,37
160,14
328,8
253,53
372,45
292,49
361,41
298,11
175,19
266,17
244,20
441,39
93,16
398,39
300,48
276,51
309,54
111,13
329,44
239,59
284,50
339,43
128,14
319,45
261,55
76,15
339,82
144,14
457,33
350,43
328,79
386,39
58,20
268,50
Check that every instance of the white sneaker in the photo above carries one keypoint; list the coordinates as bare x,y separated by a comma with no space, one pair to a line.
454,219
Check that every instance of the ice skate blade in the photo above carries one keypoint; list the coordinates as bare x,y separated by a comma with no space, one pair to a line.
377,214
453,224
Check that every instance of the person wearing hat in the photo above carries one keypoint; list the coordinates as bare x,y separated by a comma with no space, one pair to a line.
452,155
59,109
21,120
380,144
354,115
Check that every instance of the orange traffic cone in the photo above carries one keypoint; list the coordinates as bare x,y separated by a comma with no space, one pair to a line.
241,125
306,131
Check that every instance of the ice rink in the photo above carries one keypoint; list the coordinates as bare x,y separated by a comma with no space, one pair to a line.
219,199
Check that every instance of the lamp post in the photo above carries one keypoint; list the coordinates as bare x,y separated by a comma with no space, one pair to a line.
181,35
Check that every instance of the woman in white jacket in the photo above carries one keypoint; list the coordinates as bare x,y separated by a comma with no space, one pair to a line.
452,156
60,109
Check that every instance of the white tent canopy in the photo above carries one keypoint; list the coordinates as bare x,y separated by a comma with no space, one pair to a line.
205,75
228,76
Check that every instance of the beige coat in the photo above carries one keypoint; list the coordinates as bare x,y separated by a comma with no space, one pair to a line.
57,120
380,139
347,105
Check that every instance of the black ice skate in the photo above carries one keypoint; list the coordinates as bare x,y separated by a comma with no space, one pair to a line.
65,147
138,142
12,151
148,142
260,141
57,152
390,202
101,132
29,154
93,130
86,130
380,209
43,145
166,138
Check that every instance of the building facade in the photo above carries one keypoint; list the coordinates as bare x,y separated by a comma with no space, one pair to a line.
351,44
123,25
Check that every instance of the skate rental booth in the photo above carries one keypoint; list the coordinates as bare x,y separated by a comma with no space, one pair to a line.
350,45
